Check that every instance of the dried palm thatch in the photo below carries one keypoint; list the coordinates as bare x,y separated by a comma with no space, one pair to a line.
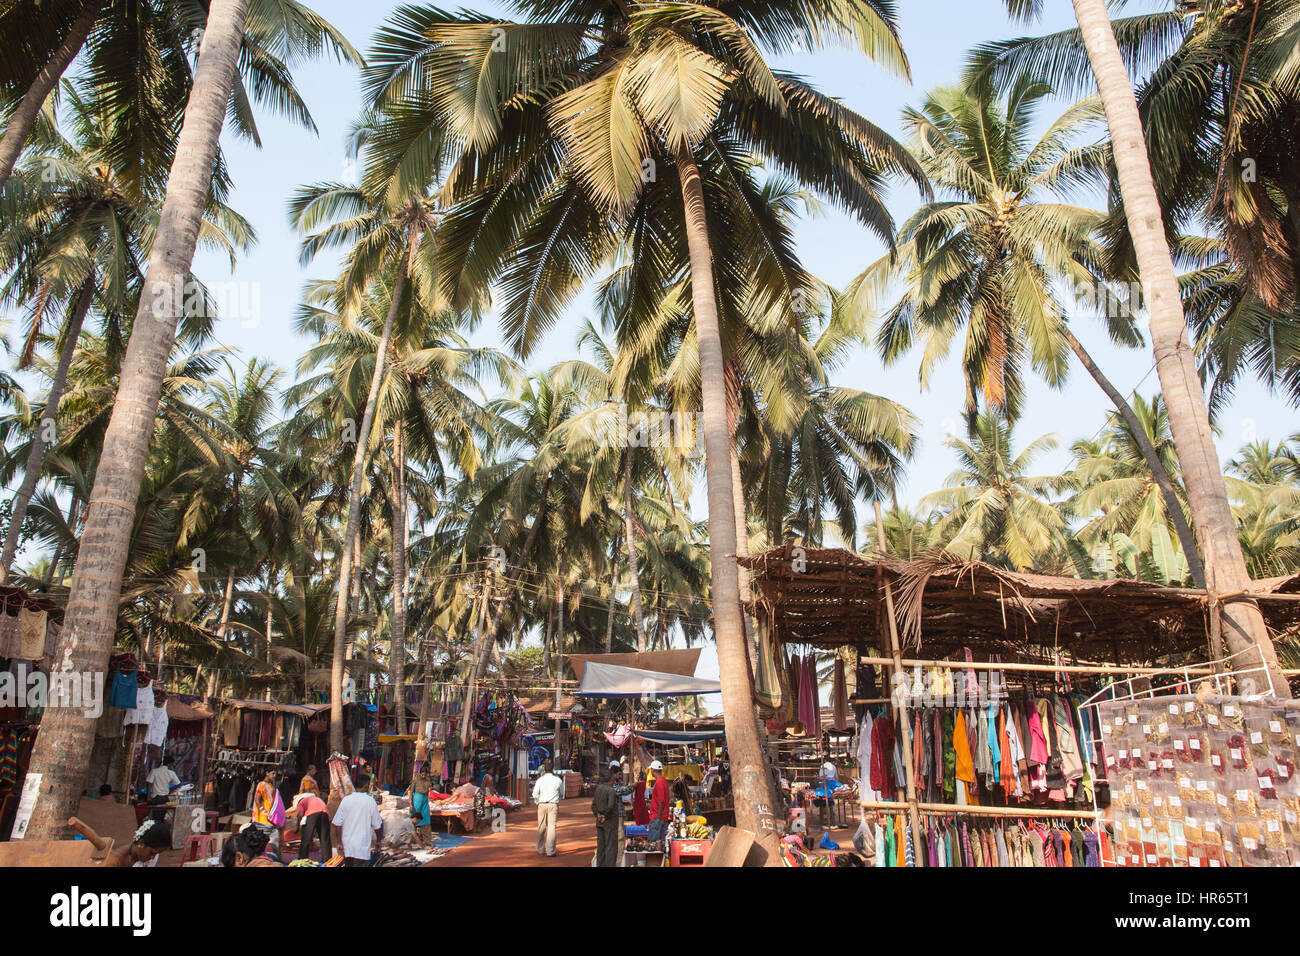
830,597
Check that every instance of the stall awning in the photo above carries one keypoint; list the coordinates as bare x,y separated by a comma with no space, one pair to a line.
676,738
610,680
681,661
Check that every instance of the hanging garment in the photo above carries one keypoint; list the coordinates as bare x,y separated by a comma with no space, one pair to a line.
10,635
964,768
880,846
882,757
156,733
840,697
867,788
123,688
31,633
142,712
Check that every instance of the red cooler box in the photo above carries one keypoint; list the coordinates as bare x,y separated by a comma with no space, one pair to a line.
689,852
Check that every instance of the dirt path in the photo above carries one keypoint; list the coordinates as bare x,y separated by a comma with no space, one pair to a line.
517,846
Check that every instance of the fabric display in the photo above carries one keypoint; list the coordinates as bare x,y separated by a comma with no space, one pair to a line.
31,633
142,712
956,840
1023,749
1203,781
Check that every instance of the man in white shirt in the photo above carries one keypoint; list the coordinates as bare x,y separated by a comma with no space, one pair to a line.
357,824
547,791
162,779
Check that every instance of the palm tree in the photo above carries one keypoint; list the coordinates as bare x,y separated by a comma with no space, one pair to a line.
989,251
75,237
87,639
1247,637
1265,484
137,65
992,510
385,232
423,399
589,119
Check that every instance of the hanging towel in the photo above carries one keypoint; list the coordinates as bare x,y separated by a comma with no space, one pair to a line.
840,697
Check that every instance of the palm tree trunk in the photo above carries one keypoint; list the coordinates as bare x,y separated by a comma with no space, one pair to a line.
24,117
90,622
36,456
397,641
354,508
742,548
1207,497
1158,472
609,605
488,635
559,658
629,540
749,776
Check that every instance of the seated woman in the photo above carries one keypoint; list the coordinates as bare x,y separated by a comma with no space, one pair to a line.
150,840
247,848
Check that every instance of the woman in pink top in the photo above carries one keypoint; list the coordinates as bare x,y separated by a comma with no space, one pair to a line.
313,820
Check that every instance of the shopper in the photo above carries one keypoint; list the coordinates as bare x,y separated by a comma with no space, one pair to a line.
605,804
313,821
547,791
419,793
247,848
268,808
357,824
661,810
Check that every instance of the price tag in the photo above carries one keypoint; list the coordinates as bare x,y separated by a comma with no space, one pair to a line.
1212,719
1167,763
1146,730
1195,743
1175,801
1249,843
1234,753
1264,783
1202,786
1222,798
1159,801
1256,737
1274,826
1229,710
1162,727
1214,863
1178,745
1194,861
1275,726
1151,859
1123,754
1216,760
1210,826
1228,845
1291,817
1132,718
1192,821
1188,706
1173,708
1242,795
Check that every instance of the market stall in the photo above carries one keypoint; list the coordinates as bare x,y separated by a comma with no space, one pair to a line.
974,691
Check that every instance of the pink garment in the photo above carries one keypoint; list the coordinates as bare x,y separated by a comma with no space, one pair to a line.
620,735
1037,753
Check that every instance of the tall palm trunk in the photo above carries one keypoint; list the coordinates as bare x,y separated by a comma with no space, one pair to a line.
1158,472
754,811
488,635
354,504
609,605
629,539
397,641
90,621
36,456
1207,497
24,117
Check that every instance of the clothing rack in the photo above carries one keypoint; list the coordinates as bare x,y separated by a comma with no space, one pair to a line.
976,810
1048,668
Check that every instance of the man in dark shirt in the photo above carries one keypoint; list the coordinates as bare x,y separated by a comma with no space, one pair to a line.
606,805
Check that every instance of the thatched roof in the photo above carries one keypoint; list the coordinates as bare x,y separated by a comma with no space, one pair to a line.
832,597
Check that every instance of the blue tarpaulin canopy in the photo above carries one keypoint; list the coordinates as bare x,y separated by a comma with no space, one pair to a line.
610,680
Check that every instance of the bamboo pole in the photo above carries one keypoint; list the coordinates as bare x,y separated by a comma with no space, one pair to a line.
897,651
1048,668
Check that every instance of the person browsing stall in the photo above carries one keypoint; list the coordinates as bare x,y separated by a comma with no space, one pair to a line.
357,824
605,805
661,810
547,791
